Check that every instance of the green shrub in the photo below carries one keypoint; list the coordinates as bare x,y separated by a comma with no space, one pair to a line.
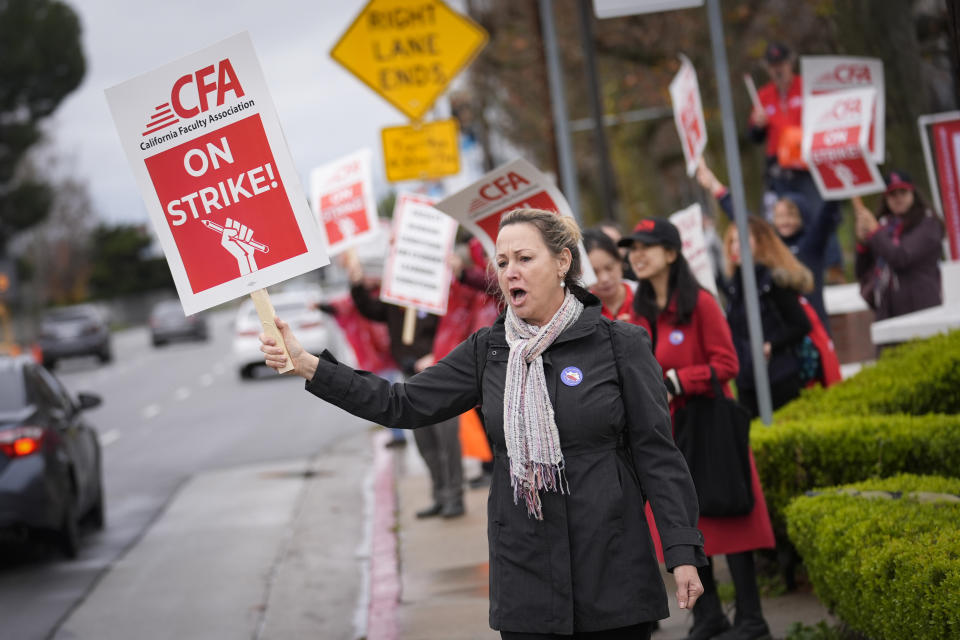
890,568
914,378
794,457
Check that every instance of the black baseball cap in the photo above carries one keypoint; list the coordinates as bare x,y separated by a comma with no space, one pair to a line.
653,231
776,53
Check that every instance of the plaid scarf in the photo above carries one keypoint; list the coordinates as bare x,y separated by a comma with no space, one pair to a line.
533,443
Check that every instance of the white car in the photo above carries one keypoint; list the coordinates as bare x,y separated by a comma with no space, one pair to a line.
313,329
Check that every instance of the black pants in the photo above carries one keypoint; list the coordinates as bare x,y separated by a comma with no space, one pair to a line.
780,394
749,615
635,632
439,445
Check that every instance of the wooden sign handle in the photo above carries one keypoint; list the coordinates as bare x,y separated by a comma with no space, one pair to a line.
409,325
261,300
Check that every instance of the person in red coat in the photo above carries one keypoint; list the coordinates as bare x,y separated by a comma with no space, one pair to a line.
690,335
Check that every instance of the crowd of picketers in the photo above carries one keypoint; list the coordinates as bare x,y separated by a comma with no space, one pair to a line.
508,322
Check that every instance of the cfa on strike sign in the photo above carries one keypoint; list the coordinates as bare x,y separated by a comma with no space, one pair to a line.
836,131
514,185
688,114
342,196
205,146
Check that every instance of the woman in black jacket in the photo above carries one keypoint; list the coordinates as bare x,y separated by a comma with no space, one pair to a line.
576,410
780,280
898,258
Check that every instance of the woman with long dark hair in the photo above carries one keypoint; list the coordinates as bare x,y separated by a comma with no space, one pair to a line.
691,341
898,257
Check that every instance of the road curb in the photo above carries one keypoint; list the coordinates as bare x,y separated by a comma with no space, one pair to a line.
384,559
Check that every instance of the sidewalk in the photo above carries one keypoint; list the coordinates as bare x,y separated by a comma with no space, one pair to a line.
326,547
444,572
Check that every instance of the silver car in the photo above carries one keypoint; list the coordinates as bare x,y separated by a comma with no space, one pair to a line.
168,323
80,330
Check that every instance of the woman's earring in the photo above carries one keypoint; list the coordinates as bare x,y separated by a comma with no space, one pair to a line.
563,278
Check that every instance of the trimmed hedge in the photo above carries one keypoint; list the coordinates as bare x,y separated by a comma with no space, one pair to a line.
794,457
914,378
890,568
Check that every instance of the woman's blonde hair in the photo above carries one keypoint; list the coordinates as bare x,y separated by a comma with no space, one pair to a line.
558,233
772,253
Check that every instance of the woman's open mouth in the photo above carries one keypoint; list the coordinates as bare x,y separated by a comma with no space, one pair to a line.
517,295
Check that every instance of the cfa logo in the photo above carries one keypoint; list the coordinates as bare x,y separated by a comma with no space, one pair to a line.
501,186
191,95
843,110
847,74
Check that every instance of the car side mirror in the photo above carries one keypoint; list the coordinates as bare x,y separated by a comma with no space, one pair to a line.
88,400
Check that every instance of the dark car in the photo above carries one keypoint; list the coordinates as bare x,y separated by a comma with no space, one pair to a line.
168,322
51,474
79,330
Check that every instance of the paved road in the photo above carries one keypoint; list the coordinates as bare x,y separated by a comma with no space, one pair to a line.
167,415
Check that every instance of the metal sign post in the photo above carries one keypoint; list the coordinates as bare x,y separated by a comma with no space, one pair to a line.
740,210
561,125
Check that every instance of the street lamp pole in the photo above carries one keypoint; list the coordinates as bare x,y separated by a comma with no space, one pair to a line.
747,272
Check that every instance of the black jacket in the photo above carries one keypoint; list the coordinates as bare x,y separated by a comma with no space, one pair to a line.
590,563
784,321
405,355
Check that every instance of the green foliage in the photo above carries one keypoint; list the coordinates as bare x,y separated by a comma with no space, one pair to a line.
794,457
889,567
914,378
41,62
120,263
819,631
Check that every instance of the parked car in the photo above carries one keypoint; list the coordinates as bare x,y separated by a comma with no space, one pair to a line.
80,330
51,473
168,322
296,308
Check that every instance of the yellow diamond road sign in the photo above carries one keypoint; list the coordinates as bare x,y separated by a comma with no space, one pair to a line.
423,152
408,51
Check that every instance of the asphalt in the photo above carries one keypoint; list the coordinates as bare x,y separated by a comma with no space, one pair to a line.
326,547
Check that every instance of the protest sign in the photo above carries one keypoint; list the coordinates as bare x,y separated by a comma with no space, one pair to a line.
408,51
689,222
422,151
835,133
203,140
417,273
943,170
688,114
515,185
830,74
341,194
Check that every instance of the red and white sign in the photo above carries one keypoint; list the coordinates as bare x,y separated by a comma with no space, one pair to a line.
341,194
688,114
946,147
417,273
836,127
515,185
202,137
689,222
831,74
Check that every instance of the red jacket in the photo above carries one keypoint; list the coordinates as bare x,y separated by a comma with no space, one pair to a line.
626,309
691,350
781,113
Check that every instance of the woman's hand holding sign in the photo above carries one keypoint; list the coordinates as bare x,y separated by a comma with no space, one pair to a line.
304,363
